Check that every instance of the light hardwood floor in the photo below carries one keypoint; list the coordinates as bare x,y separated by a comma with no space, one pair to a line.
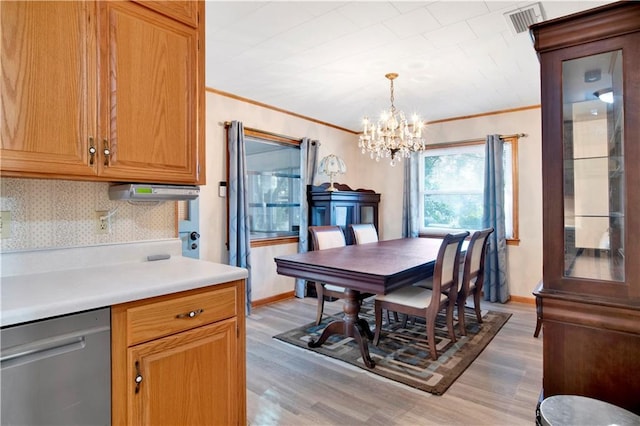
291,386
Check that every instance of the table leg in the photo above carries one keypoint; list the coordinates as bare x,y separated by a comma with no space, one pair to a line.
351,326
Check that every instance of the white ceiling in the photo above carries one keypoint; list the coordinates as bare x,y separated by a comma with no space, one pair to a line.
327,60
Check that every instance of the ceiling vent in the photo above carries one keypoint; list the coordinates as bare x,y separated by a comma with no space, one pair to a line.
521,19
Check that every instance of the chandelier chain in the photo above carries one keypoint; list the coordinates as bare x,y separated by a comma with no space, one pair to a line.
393,107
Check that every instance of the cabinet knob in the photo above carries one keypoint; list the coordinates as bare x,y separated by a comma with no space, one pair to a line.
194,246
194,236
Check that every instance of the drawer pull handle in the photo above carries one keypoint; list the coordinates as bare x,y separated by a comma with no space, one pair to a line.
190,314
106,152
92,151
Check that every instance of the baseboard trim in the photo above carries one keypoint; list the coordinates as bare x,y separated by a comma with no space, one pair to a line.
291,295
273,299
523,299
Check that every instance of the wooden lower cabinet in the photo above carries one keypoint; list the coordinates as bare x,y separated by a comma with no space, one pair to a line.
180,359
591,349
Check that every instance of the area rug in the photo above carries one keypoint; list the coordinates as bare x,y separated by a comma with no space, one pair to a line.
403,353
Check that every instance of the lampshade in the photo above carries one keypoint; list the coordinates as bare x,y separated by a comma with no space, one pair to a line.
332,165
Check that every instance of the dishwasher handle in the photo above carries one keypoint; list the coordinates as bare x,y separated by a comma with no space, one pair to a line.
46,348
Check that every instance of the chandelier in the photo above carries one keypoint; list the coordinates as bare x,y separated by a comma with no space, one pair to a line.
392,136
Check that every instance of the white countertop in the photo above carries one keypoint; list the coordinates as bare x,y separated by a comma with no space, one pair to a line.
46,283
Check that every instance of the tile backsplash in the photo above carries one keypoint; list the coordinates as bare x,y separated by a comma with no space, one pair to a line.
56,213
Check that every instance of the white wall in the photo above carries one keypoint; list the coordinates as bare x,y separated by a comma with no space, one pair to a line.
266,282
525,260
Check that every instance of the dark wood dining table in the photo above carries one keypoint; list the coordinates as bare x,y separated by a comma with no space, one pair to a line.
371,268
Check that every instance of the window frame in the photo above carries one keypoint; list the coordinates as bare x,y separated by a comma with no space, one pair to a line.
269,137
511,140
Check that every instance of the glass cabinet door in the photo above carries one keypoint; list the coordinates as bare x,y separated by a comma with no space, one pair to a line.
593,167
367,214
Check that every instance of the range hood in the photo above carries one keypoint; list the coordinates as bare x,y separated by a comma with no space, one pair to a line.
153,192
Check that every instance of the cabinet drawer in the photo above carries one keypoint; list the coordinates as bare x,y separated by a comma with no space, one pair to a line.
178,313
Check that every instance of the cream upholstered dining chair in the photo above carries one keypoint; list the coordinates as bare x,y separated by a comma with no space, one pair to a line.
363,233
424,302
473,275
326,237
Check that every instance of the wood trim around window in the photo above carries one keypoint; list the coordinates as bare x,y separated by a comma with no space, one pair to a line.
263,242
515,179
271,137
513,140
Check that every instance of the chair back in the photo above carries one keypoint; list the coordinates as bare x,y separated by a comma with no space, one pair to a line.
363,233
326,237
446,270
474,259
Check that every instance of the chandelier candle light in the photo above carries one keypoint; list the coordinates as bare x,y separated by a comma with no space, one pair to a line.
392,136
331,165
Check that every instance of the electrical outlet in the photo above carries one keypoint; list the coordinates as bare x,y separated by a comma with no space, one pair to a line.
103,224
5,224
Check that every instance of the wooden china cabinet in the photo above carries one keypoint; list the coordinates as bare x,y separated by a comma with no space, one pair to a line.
590,297
342,207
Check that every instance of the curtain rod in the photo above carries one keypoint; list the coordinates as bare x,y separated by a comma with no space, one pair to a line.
228,123
515,135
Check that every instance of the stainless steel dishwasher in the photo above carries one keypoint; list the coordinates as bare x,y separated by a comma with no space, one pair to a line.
57,371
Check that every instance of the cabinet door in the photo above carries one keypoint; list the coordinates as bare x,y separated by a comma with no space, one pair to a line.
150,90
368,213
190,378
47,87
182,10
589,147
343,214
320,215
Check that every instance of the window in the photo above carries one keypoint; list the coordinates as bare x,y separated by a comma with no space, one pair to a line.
273,168
452,188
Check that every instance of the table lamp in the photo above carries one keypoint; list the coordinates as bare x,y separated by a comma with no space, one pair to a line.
331,165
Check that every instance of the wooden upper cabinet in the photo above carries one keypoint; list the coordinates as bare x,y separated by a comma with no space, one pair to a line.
47,87
150,91
122,78
590,152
